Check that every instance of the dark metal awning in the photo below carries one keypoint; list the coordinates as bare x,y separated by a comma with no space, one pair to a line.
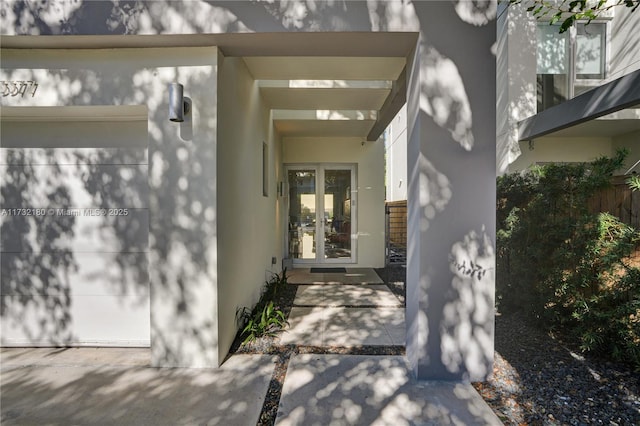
609,98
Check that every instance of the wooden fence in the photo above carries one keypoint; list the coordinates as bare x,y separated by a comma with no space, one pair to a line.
618,200
396,232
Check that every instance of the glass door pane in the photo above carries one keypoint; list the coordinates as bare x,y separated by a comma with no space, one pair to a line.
337,218
302,214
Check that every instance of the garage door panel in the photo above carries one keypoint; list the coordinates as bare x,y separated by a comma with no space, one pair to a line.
119,320
82,320
74,156
78,274
43,321
74,134
78,186
119,230
74,218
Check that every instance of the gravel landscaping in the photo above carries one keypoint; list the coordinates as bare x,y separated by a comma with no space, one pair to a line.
538,379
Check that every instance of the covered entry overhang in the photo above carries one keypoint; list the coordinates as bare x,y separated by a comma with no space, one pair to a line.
338,84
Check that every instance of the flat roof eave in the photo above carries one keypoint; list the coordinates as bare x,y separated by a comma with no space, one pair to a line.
353,44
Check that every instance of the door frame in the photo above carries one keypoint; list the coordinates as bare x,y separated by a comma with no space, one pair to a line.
319,169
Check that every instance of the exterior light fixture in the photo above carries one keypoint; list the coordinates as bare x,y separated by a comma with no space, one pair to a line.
178,107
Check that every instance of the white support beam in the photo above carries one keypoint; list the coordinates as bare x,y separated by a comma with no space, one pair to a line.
391,106
327,114
326,84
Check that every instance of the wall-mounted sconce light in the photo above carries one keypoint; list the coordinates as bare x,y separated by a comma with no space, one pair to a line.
178,107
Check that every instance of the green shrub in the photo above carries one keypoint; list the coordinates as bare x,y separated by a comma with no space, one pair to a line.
265,319
265,322
561,264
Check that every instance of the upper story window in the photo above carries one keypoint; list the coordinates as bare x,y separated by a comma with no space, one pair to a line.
566,62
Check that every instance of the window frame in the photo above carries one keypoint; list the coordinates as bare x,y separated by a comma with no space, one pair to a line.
604,52
573,81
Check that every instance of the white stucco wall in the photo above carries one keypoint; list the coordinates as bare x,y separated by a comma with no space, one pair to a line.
248,231
625,43
558,150
369,158
182,174
515,80
577,149
396,157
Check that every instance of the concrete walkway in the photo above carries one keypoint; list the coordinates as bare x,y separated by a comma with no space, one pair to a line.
108,386
373,390
345,315
349,310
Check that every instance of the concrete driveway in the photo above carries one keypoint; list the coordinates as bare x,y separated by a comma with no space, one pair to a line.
107,386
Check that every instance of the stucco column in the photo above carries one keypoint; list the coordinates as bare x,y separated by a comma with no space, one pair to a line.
451,194
183,244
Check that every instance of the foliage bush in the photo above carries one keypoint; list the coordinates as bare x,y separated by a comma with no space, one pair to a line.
264,319
561,264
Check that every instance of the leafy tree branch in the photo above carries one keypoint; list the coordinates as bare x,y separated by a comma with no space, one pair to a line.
568,12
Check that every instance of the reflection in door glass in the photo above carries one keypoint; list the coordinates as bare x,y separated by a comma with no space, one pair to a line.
337,214
302,214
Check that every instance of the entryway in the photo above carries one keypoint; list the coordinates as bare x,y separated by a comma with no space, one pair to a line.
322,213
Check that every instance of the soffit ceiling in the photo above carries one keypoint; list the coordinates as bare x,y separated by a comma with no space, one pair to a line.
324,68
331,91
323,99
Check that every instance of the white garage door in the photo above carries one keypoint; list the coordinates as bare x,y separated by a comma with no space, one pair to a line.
74,232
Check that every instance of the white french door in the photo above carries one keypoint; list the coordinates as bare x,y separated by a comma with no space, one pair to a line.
322,213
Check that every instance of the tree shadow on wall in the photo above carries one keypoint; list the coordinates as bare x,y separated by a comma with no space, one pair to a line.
58,17
36,255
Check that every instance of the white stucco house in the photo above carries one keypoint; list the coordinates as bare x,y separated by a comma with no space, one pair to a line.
568,97
123,227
